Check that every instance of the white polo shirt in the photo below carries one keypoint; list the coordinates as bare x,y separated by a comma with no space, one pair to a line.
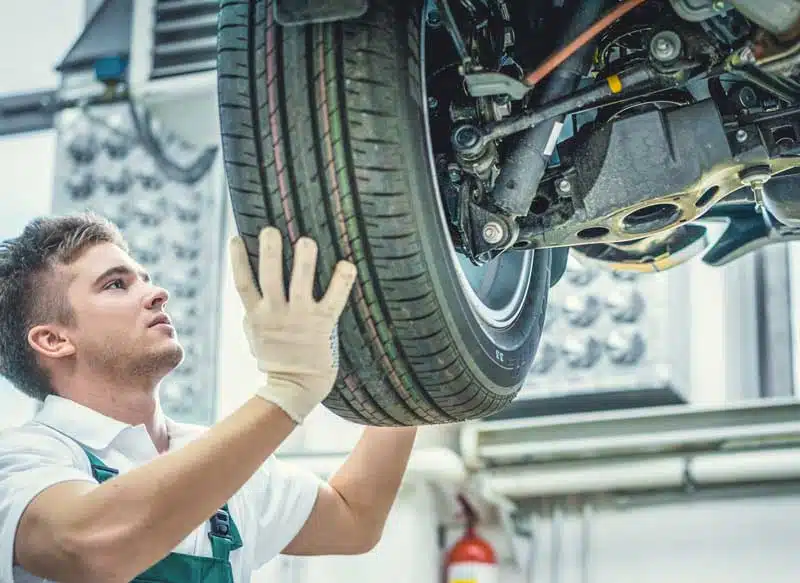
269,509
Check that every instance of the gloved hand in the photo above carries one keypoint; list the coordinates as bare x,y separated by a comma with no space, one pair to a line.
295,342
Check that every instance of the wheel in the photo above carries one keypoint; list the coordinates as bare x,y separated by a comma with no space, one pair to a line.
325,134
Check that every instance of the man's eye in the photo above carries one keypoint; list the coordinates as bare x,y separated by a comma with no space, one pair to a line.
116,284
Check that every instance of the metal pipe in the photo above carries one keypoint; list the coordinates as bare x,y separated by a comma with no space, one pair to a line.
658,473
586,542
780,62
746,466
596,95
619,433
525,166
543,480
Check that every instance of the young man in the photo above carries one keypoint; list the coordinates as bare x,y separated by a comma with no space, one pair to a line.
101,487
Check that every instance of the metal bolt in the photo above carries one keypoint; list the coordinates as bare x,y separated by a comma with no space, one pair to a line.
747,96
434,19
665,46
454,173
755,177
741,136
563,186
493,232
719,5
746,55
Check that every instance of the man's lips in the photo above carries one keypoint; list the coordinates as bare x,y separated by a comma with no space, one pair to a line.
160,319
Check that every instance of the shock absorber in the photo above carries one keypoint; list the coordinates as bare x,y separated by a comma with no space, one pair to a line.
522,170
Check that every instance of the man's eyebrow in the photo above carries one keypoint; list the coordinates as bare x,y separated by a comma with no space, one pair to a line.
120,270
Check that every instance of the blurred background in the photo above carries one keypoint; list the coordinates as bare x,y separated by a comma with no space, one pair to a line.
655,439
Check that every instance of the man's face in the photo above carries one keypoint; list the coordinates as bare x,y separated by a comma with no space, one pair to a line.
118,318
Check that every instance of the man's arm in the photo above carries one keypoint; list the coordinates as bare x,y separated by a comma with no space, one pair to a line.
351,509
114,531
80,532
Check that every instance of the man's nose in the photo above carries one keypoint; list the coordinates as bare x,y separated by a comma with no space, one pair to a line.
158,297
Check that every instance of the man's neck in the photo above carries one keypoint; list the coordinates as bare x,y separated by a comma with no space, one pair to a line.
134,405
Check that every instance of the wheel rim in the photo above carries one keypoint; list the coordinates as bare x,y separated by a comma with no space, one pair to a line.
496,291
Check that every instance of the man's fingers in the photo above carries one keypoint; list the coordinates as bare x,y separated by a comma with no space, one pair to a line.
242,274
338,292
301,286
270,265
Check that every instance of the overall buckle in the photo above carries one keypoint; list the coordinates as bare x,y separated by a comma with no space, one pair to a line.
221,524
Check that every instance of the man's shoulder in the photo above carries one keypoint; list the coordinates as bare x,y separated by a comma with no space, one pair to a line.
28,432
32,444
33,436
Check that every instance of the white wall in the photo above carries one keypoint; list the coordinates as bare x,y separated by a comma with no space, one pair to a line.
736,541
407,553
721,317
730,541
40,32
36,35
26,164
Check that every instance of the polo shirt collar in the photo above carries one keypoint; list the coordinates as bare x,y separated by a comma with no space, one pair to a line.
81,423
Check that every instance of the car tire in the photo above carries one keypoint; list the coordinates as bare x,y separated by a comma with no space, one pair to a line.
324,135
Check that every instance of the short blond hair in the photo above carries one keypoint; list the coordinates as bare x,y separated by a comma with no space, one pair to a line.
31,295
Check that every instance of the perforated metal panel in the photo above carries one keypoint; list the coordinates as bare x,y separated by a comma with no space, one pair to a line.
608,343
172,226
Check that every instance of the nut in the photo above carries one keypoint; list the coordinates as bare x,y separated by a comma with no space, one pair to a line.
563,186
665,46
493,232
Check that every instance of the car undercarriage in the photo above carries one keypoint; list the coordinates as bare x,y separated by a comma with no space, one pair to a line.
676,117
458,151
691,108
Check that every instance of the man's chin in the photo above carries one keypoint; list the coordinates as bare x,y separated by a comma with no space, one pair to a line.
174,356
165,359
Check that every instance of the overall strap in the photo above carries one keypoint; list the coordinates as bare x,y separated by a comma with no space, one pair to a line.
223,534
100,470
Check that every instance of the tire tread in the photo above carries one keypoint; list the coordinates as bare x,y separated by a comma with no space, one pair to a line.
313,144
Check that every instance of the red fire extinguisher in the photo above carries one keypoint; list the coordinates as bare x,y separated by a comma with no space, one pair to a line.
471,559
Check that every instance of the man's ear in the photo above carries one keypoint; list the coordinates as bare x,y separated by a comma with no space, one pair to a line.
50,341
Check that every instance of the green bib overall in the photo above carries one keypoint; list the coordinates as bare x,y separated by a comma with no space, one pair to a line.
180,568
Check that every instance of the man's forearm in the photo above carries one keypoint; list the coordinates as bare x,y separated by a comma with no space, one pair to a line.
176,491
369,479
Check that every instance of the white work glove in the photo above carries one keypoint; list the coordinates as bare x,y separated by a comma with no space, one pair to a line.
295,342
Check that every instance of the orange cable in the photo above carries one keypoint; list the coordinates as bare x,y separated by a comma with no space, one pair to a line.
566,52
